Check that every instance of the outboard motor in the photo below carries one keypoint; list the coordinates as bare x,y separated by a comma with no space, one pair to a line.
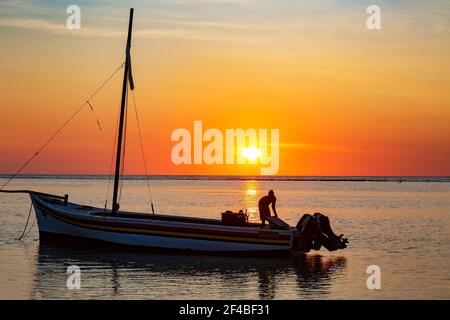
315,231
335,242
309,232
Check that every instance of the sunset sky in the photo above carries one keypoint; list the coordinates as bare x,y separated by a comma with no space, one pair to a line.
346,100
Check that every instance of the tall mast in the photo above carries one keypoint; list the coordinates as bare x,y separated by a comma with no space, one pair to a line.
115,204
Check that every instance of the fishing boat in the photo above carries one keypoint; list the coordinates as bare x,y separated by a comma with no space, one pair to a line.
58,217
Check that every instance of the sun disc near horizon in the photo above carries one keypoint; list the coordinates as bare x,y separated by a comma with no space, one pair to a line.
251,153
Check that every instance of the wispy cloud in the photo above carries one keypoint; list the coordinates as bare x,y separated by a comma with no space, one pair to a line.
32,24
55,28
327,148
176,31
43,25
233,21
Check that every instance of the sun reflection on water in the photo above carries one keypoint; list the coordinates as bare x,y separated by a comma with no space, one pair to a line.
251,200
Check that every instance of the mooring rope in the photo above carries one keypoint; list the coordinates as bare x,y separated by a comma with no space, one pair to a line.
26,225
32,225
62,126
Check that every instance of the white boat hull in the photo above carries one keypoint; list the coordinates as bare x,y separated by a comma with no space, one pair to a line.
57,219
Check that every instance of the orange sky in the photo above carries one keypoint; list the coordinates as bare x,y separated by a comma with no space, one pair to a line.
347,100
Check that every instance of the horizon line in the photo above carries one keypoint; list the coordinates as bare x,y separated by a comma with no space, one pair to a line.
291,178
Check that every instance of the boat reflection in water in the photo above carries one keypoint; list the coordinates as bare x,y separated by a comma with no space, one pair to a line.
133,275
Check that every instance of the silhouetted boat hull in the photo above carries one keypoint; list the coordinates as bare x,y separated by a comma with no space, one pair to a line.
57,217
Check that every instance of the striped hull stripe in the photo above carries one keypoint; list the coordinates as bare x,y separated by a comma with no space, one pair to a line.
166,231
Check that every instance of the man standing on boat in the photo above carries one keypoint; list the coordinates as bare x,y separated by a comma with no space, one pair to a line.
264,209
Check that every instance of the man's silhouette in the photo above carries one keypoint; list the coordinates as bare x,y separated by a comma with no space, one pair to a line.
264,209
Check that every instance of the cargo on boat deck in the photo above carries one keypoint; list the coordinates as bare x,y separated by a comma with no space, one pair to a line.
277,223
230,218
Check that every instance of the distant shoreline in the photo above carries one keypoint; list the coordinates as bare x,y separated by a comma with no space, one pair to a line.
240,178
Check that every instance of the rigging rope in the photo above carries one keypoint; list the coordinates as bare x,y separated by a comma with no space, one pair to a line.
62,127
122,168
111,163
143,153
95,116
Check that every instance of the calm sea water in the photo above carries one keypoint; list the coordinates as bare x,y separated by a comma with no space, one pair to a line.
401,227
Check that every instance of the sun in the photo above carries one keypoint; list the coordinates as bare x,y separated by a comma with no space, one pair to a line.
251,153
